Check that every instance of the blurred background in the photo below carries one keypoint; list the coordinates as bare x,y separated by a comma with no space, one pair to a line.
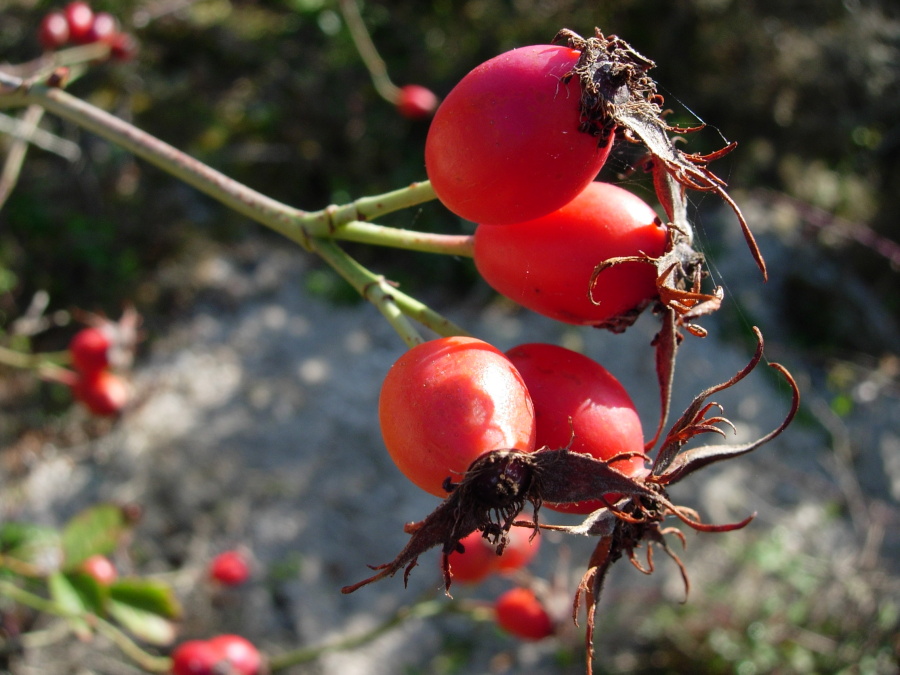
275,95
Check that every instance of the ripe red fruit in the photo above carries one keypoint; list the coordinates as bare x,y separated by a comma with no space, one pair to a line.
476,563
416,102
546,264
505,145
240,654
519,612
565,385
53,32
447,401
196,657
123,46
89,349
480,559
103,27
102,392
80,18
101,568
520,549
230,568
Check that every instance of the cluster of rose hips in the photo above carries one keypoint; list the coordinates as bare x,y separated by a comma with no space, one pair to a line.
224,654
96,353
221,655
516,148
77,24
504,151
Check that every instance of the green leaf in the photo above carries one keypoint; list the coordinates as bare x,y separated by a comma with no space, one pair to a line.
94,595
145,625
38,546
66,595
96,530
146,595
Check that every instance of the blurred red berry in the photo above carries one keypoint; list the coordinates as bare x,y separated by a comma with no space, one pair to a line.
416,102
103,392
101,568
520,613
230,568
103,27
89,349
53,32
476,562
520,549
80,18
196,657
241,655
123,46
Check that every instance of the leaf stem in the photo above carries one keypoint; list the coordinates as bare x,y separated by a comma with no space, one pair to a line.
369,53
156,664
412,240
420,610
372,287
344,221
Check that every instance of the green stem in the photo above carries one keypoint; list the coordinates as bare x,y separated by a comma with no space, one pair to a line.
312,230
393,303
156,664
280,217
412,240
421,610
17,359
369,208
425,315
295,224
369,53
372,287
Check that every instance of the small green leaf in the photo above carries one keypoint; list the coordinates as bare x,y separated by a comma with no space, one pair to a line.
94,595
96,530
146,595
147,626
69,599
32,544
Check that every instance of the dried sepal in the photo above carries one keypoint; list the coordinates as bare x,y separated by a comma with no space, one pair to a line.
691,460
492,492
617,93
693,420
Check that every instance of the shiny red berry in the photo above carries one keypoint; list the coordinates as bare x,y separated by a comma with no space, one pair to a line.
123,46
104,26
101,568
416,102
519,612
196,657
53,32
89,349
230,568
103,392
80,18
242,657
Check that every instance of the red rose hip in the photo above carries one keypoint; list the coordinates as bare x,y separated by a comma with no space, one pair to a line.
505,146
447,401
565,385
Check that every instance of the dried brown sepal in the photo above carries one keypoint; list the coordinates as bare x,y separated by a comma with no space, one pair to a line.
617,93
689,461
679,304
694,421
490,495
